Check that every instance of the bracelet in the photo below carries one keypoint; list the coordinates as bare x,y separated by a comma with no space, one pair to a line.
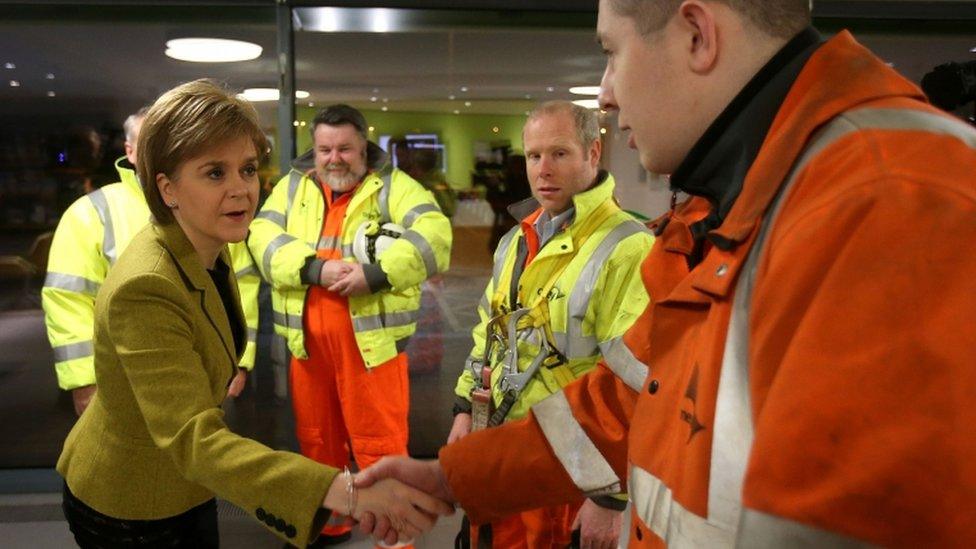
350,492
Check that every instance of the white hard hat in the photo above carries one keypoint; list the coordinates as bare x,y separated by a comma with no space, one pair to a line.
372,240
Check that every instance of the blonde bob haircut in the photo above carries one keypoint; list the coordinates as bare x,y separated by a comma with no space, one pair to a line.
184,123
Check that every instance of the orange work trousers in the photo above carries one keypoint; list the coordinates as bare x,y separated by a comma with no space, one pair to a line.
543,528
339,405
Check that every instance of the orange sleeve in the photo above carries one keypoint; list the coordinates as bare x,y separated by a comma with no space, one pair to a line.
511,468
863,360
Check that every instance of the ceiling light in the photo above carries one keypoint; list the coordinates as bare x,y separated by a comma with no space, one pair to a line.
587,103
464,89
211,50
256,95
51,94
457,111
467,103
372,129
9,65
550,89
374,99
451,97
14,84
49,76
376,90
384,108
585,90
295,123
385,100
310,103
494,129
972,50
603,131
528,96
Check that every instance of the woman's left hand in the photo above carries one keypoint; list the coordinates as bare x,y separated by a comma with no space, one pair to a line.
236,386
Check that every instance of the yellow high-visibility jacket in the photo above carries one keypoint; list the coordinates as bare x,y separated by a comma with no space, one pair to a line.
595,298
91,235
288,230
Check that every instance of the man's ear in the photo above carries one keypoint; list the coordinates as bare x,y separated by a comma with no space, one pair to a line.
594,153
697,20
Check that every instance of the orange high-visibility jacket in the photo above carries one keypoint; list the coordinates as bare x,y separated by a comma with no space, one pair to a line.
837,405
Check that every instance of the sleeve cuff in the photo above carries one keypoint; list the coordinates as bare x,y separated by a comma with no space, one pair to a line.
610,502
461,406
312,271
375,278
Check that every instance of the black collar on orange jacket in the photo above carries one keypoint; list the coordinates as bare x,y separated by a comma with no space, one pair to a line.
717,165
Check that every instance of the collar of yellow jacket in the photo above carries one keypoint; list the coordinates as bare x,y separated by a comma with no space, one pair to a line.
172,237
584,202
127,174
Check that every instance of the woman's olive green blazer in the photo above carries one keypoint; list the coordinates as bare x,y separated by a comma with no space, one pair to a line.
153,442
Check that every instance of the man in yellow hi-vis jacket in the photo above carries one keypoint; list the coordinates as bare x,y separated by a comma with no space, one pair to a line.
347,321
566,286
91,235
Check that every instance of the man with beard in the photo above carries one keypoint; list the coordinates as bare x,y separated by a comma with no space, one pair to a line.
347,323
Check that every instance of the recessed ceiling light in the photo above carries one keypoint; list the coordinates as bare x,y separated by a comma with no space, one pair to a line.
372,129
295,123
14,84
464,88
311,104
211,50
467,103
385,100
494,129
587,103
550,89
49,76
528,96
256,95
51,94
451,97
374,99
457,111
603,131
585,90
384,108
9,65
972,50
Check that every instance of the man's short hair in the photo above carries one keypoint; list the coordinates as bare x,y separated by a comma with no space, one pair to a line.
780,18
185,122
584,120
130,124
338,115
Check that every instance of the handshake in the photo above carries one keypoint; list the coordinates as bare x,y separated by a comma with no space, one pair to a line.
395,500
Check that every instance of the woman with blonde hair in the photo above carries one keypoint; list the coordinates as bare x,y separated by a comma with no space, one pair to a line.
144,461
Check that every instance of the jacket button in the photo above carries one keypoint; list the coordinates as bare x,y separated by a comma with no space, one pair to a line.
280,525
261,513
290,531
639,534
653,386
269,520
565,246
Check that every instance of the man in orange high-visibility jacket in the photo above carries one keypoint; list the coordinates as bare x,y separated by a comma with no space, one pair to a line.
802,375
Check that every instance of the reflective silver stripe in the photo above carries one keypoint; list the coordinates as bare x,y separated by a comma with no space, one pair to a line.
576,452
108,235
294,178
71,351
347,250
903,119
579,297
624,364
71,283
277,218
273,246
252,334
679,528
385,320
575,347
288,321
249,270
420,210
762,531
426,252
329,243
501,252
384,197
